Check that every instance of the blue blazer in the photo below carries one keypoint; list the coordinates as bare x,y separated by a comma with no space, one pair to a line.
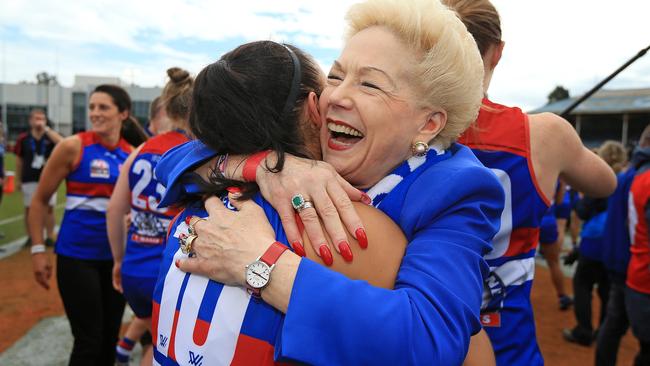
449,212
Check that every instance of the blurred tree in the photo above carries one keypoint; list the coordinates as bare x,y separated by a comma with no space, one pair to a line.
559,93
43,78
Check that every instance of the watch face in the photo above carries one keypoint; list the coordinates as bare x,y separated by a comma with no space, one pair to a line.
257,274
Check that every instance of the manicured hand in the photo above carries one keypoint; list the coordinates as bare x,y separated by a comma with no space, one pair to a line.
228,240
330,195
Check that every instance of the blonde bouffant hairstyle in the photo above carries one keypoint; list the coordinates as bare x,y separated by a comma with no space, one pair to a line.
449,73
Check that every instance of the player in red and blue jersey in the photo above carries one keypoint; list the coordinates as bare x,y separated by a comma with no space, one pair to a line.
138,192
90,163
528,153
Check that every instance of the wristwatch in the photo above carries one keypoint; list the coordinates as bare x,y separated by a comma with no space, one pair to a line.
258,273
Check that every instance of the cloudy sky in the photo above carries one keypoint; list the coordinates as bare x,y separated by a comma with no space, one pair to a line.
574,43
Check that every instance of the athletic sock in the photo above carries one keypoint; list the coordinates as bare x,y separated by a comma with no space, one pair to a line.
123,350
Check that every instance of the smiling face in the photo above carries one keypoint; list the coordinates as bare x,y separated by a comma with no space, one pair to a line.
105,117
370,109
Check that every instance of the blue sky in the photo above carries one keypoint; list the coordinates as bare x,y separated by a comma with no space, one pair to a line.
574,43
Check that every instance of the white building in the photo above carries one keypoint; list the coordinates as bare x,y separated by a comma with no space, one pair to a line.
66,107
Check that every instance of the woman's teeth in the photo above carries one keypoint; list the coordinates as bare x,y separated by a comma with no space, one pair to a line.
343,129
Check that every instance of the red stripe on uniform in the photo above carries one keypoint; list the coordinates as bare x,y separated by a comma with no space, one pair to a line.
252,351
522,240
201,328
172,338
90,189
155,315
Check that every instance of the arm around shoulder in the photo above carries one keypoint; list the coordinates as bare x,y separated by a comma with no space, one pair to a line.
433,310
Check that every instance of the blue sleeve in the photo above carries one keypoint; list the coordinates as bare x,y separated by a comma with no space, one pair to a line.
434,309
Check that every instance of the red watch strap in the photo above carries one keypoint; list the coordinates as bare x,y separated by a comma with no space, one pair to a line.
273,253
250,166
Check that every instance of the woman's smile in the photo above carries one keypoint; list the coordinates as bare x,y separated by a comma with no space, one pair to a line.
342,136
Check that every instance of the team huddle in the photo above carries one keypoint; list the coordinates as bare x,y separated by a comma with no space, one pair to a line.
387,212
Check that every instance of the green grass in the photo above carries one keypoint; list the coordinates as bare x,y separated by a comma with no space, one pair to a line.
12,206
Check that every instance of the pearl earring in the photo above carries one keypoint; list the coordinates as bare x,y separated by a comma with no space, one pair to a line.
419,148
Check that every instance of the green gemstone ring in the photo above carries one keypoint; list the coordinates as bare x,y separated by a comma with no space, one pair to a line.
297,201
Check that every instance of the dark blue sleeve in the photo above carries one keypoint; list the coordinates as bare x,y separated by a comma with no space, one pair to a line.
434,309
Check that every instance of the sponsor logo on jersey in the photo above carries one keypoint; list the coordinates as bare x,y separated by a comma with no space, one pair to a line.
195,359
99,168
491,319
163,340
148,224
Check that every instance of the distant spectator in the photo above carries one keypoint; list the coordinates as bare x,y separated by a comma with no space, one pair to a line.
637,293
616,256
33,148
591,270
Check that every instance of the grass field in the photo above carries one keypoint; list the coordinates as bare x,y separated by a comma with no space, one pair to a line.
12,210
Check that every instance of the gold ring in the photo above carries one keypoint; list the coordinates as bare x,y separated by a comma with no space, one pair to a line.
193,221
186,243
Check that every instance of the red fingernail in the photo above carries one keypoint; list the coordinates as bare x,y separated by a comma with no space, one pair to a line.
233,190
326,255
362,238
178,263
346,252
298,248
366,199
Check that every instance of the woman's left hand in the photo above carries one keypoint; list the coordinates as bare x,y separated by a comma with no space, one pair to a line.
227,241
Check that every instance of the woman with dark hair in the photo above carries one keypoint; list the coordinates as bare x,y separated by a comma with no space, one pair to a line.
133,132
138,252
89,162
388,126
261,94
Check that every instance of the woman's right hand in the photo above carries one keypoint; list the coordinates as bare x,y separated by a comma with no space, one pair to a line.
329,193
42,269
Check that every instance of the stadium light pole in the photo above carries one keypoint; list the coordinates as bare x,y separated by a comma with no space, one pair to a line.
565,113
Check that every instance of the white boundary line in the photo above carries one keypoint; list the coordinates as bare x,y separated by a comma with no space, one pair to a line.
20,217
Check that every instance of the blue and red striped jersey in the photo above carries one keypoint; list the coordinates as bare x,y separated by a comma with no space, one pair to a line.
500,139
149,223
89,186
